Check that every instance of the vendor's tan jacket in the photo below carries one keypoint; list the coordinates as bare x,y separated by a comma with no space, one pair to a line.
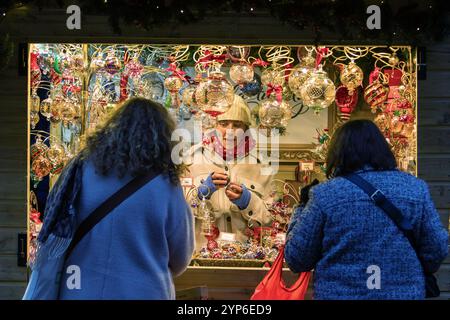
257,177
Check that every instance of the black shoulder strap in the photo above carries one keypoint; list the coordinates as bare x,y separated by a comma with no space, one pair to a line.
107,206
387,206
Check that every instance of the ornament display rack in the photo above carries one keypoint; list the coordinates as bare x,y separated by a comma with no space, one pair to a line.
86,81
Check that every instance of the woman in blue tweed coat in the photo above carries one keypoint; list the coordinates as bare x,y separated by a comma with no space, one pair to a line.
355,249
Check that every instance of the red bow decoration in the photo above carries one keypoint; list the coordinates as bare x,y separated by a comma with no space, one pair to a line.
209,57
260,62
275,89
320,53
374,75
176,72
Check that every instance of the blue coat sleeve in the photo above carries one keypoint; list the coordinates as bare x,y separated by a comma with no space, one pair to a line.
432,239
181,237
304,239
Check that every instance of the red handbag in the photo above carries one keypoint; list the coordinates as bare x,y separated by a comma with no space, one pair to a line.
272,286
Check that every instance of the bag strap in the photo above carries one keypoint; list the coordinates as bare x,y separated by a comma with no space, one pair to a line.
107,206
387,206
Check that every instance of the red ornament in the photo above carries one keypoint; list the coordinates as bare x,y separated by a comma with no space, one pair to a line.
346,101
212,244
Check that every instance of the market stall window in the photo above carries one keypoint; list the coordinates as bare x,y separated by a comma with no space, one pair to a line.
287,99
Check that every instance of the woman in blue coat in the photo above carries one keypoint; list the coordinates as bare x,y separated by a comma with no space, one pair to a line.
355,249
137,249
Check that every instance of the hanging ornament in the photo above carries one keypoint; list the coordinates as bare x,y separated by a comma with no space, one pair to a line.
76,64
34,119
376,93
68,111
346,102
273,76
38,148
351,76
241,73
238,53
215,95
174,82
35,71
46,108
41,167
57,104
97,63
273,111
318,92
35,102
297,78
112,63
253,87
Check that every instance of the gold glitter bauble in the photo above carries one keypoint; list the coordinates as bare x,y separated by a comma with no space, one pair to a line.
273,113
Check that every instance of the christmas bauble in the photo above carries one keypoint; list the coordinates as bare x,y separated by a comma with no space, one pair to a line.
375,95
273,113
272,76
212,244
241,73
346,102
46,108
41,167
173,84
238,53
97,63
215,95
34,119
352,76
55,153
112,64
35,103
318,92
68,111
253,87
188,95
38,149
297,78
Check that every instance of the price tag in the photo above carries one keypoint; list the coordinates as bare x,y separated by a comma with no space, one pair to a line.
306,165
226,236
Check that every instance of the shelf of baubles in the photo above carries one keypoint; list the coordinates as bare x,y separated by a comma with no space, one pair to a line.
72,87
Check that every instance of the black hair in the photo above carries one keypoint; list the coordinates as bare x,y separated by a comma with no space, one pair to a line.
356,144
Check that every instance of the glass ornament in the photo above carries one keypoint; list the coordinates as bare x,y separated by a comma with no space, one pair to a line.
173,84
41,167
351,76
318,92
375,94
238,53
35,102
273,76
273,113
241,73
215,96
46,108
297,78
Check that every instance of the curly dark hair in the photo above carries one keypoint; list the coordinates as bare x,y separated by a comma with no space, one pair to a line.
135,139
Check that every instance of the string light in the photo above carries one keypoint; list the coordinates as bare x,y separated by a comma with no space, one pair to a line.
418,29
182,11
251,9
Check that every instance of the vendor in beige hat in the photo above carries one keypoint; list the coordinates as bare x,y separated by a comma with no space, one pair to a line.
229,177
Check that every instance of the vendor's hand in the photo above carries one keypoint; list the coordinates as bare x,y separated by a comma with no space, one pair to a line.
219,179
239,195
215,180
233,191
